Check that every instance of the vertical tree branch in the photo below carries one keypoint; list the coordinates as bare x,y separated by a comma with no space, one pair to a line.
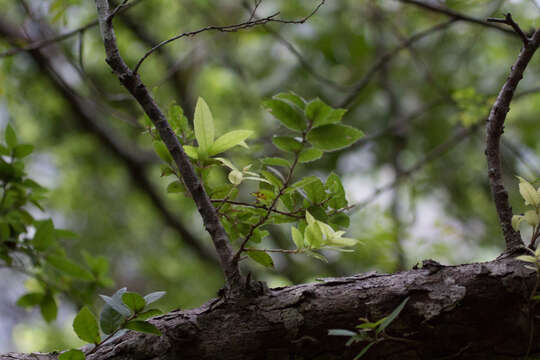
136,88
495,129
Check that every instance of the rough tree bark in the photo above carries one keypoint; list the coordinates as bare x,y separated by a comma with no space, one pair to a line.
475,311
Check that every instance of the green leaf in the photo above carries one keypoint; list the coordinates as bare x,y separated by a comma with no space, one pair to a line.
142,326
177,119
341,332
134,301
110,320
10,136
4,150
262,258
86,326
273,179
364,350
341,220
313,235
315,191
48,308
287,112
117,303
321,114
22,150
153,297
176,187
276,161
528,192
516,221
191,151
161,151
315,255
72,354
531,217
337,192
292,98
44,236
229,140
69,267
148,314
166,170
30,299
65,234
308,155
390,318
287,143
305,181
204,127
333,137
297,237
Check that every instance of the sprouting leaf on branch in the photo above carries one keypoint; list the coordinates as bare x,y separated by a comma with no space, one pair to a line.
203,122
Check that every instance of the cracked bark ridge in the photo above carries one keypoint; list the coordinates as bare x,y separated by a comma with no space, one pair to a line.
474,311
132,82
495,129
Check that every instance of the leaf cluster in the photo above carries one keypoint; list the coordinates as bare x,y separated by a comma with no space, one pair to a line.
317,207
122,311
34,247
370,332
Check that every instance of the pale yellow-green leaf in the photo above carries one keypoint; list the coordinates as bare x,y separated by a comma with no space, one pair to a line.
527,258
313,235
203,123
516,220
531,217
243,144
528,192
537,252
256,178
191,151
227,163
309,218
229,140
343,241
297,238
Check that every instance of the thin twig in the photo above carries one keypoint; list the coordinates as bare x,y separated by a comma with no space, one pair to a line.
456,15
263,219
257,4
264,207
227,28
283,251
509,21
116,10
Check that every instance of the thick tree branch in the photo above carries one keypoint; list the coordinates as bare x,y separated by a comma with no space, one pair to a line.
136,88
470,311
495,129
